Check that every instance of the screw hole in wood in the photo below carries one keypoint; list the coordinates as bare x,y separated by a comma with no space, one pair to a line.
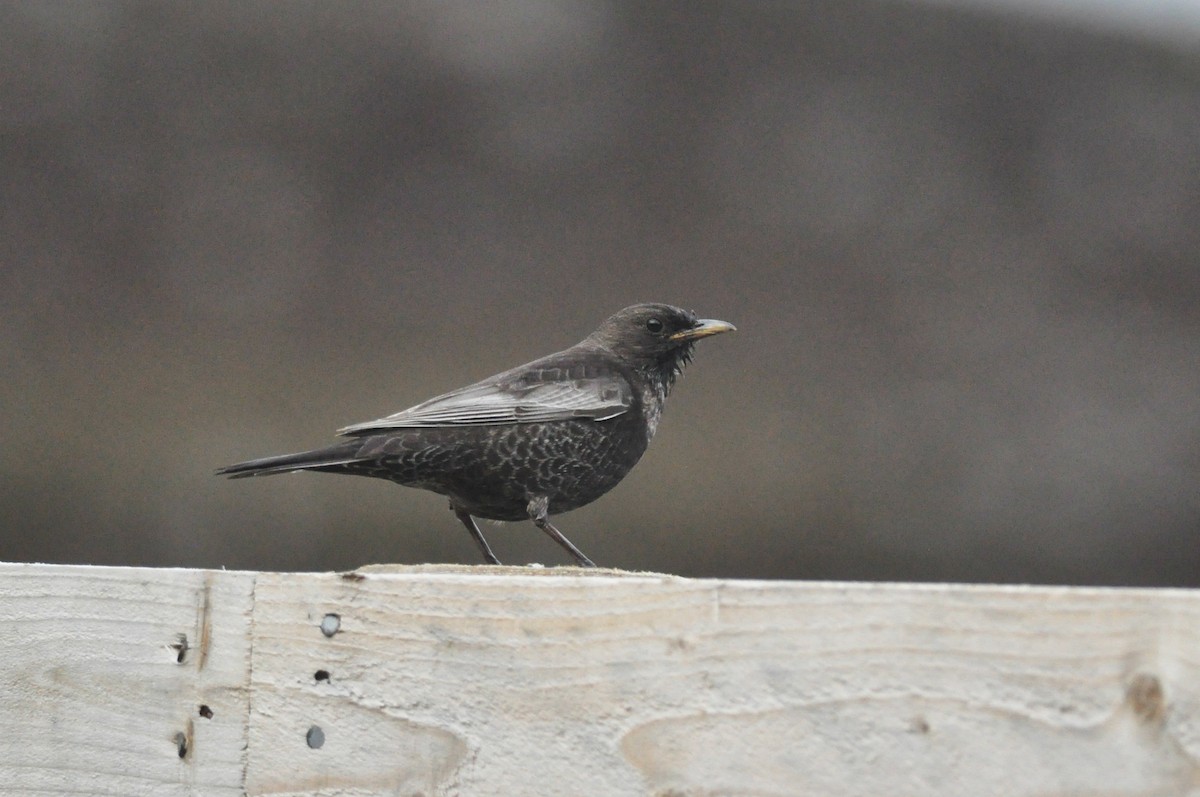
331,624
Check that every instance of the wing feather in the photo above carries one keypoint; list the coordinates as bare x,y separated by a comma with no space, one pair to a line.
527,399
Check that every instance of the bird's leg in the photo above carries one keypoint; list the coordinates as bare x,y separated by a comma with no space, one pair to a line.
538,513
476,534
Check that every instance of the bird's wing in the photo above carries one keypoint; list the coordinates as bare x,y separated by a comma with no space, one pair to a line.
531,398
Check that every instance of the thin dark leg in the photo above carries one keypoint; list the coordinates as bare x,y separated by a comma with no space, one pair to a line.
476,535
537,513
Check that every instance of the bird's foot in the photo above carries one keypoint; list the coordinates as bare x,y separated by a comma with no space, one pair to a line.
539,515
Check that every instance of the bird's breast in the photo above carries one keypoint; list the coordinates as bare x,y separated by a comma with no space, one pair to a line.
653,398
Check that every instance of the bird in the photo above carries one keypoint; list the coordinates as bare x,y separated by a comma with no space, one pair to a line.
532,442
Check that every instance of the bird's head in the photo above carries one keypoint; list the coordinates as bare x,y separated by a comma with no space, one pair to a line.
656,338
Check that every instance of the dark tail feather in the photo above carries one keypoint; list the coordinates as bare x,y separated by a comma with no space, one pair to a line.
321,459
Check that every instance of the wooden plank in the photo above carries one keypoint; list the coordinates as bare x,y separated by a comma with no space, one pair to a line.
105,671
490,682
512,681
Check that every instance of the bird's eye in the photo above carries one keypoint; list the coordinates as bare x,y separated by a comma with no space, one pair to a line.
654,325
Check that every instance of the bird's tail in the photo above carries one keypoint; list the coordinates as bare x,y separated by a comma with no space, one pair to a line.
333,458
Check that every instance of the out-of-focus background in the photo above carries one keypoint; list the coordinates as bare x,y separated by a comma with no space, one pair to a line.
960,244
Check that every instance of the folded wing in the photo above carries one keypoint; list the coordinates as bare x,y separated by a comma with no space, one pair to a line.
525,400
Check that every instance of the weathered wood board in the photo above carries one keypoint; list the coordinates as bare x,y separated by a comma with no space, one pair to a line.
105,671
511,681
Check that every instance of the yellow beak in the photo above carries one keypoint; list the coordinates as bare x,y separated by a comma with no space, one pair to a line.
704,327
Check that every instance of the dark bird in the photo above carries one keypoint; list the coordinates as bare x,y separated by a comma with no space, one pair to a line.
544,438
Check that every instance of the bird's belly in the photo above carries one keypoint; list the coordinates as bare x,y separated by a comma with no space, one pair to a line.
493,472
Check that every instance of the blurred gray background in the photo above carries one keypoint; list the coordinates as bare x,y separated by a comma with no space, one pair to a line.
959,243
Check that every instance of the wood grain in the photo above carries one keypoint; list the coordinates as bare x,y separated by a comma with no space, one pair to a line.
105,670
443,680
